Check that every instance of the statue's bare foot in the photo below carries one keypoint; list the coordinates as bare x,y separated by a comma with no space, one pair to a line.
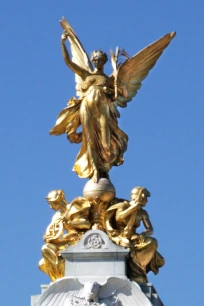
95,176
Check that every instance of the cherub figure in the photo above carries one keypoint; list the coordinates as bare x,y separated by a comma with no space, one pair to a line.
103,142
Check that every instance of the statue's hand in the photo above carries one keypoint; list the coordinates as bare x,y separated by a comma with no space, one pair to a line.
75,137
47,240
64,36
114,233
137,238
136,205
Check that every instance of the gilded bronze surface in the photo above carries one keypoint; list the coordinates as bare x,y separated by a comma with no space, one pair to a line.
103,145
66,228
119,219
122,221
103,142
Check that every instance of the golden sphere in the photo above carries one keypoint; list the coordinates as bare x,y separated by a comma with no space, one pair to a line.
103,190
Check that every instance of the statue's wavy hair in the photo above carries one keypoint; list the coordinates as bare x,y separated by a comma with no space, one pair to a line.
99,54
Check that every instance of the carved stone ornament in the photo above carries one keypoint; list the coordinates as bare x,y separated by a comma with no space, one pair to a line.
114,292
93,241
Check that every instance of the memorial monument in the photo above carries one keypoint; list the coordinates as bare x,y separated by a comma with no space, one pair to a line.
92,250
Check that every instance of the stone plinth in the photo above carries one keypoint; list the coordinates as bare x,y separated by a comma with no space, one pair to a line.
95,258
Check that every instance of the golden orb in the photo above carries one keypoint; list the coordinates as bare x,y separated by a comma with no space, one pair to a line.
103,190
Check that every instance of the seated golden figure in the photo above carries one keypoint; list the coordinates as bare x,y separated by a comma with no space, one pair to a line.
122,220
66,228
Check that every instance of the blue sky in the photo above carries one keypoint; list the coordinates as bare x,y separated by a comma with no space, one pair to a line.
164,123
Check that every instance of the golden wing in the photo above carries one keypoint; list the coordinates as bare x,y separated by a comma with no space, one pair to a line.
79,55
68,119
133,71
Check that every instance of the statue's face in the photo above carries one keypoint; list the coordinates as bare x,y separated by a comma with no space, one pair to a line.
54,205
144,201
134,198
98,62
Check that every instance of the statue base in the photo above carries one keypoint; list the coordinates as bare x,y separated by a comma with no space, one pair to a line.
94,258
95,274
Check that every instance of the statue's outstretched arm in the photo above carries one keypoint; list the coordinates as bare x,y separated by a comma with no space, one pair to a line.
74,67
121,213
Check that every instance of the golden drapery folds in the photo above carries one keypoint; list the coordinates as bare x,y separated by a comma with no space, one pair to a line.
101,148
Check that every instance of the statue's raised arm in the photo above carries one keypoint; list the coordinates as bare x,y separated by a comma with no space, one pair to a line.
74,67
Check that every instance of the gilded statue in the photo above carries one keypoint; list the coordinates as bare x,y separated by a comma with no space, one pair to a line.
68,224
91,119
103,142
122,221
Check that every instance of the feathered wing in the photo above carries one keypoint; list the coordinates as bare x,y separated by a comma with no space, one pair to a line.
61,292
68,119
79,55
133,71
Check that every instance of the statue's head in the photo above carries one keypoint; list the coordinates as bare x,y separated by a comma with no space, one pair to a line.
140,194
55,198
91,290
99,58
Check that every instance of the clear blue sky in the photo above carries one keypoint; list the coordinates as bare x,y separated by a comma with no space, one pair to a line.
164,123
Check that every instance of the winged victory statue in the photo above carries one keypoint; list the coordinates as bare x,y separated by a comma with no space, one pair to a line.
99,96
